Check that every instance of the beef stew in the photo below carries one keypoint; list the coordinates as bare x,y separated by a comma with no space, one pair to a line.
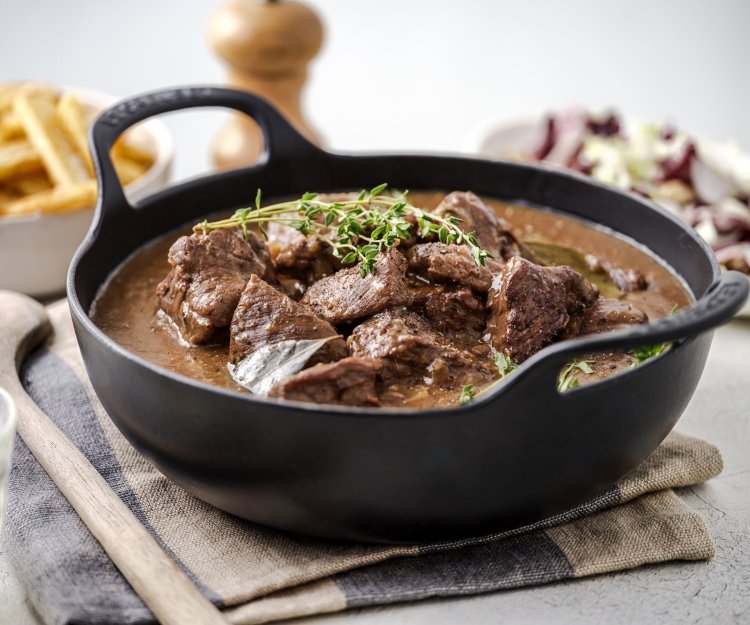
425,325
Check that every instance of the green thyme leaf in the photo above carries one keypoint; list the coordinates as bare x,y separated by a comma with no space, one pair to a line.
569,375
467,394
366,266
379,189
642,354
504,364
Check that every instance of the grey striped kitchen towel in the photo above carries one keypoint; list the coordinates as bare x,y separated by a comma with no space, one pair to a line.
259,575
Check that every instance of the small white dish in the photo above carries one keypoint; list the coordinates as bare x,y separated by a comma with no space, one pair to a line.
500,138
7,436
35,250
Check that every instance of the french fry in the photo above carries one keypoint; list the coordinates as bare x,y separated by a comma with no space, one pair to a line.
72,115
10,91
6,197
128,169
30,184
56,200
18,158
128,149
8,87
61,160
10,127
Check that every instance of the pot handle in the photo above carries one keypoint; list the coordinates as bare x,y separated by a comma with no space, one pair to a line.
281,140
722,301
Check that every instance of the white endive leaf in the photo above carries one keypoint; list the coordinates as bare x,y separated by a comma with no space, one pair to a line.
710,185
272,363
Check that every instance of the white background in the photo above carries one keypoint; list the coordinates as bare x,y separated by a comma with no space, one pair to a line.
417,75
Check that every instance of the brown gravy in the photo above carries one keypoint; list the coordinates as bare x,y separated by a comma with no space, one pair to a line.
126,308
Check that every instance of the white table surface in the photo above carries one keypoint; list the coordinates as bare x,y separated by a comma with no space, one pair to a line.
441,68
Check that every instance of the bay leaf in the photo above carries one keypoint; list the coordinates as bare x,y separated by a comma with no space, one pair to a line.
270,364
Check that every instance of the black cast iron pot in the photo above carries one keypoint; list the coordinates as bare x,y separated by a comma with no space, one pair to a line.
518,453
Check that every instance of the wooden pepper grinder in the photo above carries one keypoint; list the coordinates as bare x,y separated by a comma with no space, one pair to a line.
267,45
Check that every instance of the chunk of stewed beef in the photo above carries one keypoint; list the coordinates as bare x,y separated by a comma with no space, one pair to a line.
493,233
611,314
530,305
580,296
453,310
347,296
451,264
411,351
349,382
266,316
627,280
208,275
305,258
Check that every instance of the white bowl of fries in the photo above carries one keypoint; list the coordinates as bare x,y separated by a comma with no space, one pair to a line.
47,185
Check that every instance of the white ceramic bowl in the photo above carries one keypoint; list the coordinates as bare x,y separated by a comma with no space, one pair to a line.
35,251
501,138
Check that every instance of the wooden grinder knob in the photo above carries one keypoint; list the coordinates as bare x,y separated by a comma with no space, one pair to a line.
267,46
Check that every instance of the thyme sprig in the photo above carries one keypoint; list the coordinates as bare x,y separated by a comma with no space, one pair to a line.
505,365
467,394
356,230
642,354
568,379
